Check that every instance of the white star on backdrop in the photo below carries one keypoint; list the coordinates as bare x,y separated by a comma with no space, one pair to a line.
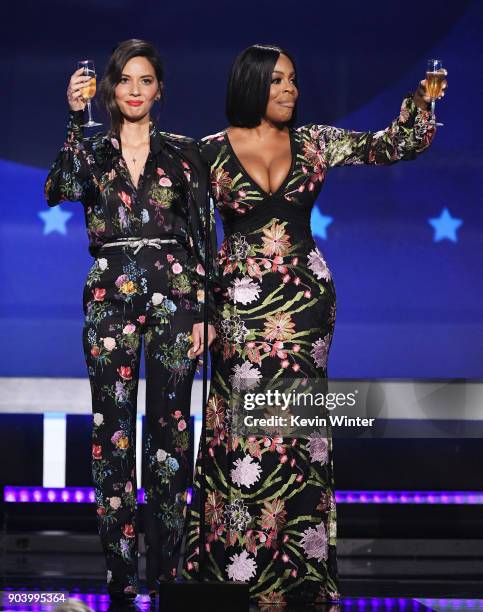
445,226
320,223
55,220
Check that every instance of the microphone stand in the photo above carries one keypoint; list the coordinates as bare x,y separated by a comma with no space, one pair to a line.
186,595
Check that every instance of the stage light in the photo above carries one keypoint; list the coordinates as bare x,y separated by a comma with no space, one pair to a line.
12,494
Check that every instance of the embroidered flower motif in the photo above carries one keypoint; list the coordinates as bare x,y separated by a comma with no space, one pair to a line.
120,440
126,199
274,515
157,299
161,455
121,279
279,326
109,343
275,241
98,294
233,330
246,472
271,599
124,546
215,412
115,502
125,372
317,265
214,508
313,152
242,567
120,391
320,351
245,376
97,452
221,182
235,247
172,463
314,543
128,531
244,290
318,447
237,516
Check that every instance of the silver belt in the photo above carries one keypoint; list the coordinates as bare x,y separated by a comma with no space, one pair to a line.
138,243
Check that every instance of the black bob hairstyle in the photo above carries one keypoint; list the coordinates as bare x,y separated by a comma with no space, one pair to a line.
112,75
248,87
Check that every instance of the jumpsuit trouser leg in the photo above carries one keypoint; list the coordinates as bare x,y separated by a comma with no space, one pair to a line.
127,297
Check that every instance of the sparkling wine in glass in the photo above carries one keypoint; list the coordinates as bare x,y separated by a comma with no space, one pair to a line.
89,90
434,83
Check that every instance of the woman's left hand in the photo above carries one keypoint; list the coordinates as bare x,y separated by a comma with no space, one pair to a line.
197,334
421,98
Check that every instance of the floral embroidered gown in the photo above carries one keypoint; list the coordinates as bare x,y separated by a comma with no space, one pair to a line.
270,513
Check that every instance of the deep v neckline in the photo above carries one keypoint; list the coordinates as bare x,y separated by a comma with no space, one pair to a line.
123,163
128,172
252,180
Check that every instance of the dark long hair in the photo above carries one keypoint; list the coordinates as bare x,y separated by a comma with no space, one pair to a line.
112,75
248,87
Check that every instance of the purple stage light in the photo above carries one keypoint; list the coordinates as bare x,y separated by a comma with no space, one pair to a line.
87,495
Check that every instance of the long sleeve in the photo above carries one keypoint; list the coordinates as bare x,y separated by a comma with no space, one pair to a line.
196,173
199,268
71,177
405,138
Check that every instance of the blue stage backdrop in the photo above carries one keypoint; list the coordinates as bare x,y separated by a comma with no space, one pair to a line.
404,243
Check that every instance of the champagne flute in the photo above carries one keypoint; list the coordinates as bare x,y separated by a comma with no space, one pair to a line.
434,83
89,90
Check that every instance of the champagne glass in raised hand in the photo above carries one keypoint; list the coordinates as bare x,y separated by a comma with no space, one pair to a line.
435,77
89,91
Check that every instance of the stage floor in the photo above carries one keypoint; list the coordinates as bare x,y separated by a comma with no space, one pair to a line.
93,594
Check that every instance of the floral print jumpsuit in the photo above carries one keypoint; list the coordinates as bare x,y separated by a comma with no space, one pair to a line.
270,513
155,292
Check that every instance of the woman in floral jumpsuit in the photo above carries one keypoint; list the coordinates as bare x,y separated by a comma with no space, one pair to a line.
270,513
145,228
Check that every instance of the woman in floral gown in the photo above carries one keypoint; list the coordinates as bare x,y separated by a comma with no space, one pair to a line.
270,513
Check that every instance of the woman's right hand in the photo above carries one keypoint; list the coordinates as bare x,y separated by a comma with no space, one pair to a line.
74,91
